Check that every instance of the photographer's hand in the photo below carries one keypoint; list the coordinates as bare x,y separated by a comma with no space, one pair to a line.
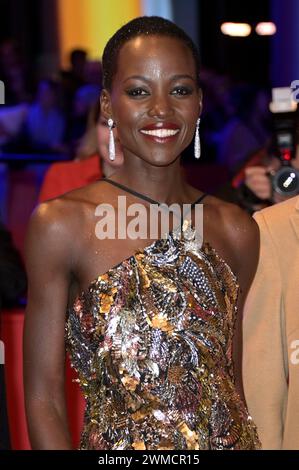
276,198
257,180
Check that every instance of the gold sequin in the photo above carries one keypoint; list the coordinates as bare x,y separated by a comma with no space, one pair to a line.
160,321
139,445
130,383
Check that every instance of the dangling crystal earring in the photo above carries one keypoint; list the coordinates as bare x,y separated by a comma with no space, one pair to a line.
111,140
197,141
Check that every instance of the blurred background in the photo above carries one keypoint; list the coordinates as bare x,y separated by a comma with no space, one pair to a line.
50,69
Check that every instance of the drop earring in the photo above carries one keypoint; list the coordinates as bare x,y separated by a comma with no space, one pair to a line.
197,149
111,140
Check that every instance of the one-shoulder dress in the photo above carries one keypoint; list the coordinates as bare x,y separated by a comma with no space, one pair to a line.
151,341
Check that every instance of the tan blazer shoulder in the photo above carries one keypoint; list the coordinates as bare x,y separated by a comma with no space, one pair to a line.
271,329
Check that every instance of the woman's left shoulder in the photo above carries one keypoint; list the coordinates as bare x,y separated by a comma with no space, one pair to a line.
239,231
236,223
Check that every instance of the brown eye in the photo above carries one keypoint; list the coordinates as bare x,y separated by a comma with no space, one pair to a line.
136,92
182,91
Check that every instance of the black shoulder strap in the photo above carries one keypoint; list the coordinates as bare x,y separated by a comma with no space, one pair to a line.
146,198
199,199
131,191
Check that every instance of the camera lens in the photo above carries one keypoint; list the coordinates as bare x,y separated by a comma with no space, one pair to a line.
286,181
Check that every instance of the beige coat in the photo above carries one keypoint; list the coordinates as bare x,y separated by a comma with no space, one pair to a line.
271,329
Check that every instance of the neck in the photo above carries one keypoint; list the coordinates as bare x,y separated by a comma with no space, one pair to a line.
165,183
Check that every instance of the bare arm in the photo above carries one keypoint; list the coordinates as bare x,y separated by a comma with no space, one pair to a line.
48,262
244,238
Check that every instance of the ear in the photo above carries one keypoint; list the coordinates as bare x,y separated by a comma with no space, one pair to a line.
106,109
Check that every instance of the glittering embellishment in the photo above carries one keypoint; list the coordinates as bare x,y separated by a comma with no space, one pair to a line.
139,445
151,341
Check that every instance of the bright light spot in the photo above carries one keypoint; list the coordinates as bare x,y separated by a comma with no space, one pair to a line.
236,29
289,180
265,28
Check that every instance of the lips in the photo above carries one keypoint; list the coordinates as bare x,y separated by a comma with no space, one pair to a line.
160,132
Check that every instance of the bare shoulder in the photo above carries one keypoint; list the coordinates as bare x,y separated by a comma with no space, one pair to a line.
51,217
237,223
64,213
61,223
239,230
55,223
49,232
87,196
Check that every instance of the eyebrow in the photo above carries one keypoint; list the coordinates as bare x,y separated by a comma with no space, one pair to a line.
173,78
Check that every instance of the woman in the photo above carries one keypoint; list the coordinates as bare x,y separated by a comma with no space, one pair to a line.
150,323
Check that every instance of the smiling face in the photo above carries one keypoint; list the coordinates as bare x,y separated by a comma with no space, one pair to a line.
155,100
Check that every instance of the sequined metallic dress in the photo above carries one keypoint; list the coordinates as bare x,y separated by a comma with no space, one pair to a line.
151,341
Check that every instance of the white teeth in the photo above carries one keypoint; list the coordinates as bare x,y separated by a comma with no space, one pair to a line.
161,132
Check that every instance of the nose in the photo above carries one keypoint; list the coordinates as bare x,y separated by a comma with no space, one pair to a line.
160,106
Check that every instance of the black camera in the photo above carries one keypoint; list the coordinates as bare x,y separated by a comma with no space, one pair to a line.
285,181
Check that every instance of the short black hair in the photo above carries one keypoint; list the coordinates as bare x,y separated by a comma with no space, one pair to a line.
142,26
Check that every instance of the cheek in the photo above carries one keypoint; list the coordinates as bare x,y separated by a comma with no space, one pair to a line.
128,117
128,120
192,113
126,112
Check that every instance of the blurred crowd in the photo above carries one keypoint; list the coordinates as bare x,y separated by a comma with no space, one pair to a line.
46,114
